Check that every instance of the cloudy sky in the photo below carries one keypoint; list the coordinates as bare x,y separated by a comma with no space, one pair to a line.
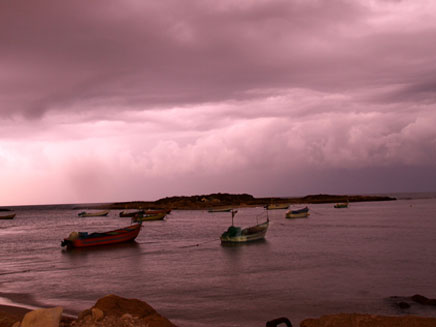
111,100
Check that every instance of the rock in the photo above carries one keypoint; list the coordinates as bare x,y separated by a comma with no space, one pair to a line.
421,299
43,318
127,316
279,321
97,314
7,319
17,324
113,305
403,305
364,320
119,311
84,313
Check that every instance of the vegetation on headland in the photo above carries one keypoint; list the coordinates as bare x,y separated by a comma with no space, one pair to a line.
216,200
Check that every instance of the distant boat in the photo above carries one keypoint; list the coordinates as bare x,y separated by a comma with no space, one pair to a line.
156,211
220,210
275,206
341,205
11,216
298,213
130,214
142,217
83,239
238,235
94,214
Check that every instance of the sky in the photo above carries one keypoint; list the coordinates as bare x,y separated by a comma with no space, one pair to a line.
126,100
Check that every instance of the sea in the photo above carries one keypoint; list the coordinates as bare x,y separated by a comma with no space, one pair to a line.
364,259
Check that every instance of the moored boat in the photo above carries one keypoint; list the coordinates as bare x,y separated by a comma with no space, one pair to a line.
298,213
11,216
220,210
84,239
156,211
93,214
275,206
142,217
236,234
341,205
130,214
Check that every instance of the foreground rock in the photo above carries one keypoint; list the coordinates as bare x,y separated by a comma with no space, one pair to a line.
109,311
363,320
116,311
42,318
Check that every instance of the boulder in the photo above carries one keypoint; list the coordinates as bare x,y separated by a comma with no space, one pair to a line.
364,320
43,318
421,299
7,319
97,314
115,308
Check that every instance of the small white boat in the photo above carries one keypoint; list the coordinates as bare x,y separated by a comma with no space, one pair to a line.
298,213
93,214
238,235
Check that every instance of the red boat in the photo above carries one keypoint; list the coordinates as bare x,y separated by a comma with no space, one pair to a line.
83,239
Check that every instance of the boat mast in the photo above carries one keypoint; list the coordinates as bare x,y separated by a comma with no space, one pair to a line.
233,214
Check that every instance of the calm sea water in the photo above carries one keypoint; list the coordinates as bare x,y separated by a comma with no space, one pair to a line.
337,260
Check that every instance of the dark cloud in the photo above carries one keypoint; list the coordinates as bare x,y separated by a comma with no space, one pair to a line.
145,55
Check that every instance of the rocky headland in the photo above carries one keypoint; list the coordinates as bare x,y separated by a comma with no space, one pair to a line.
216,200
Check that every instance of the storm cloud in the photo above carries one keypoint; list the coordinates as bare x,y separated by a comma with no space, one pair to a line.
132,100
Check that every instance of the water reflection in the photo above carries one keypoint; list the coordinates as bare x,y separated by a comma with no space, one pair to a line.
113,248
242,244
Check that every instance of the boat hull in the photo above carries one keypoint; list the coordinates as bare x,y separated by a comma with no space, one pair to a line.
220,210
277,206
122,235
11,216
300,213
93,214
158,216
341,205
297,215
130,214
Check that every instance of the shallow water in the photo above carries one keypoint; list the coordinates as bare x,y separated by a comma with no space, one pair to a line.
337,260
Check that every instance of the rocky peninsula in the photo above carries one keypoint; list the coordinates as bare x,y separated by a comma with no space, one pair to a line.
217,200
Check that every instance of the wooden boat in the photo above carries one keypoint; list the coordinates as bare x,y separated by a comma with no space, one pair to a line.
11,216
156,211
341,205
83,239
298,213
275,206
93,214
220,210
142,217
130,214
238,235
